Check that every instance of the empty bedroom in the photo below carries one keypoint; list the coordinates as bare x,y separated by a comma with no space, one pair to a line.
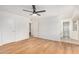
39,29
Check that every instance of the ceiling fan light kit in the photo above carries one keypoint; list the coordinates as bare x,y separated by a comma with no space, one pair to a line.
34,14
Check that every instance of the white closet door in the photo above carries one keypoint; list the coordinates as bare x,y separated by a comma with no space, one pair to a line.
66,31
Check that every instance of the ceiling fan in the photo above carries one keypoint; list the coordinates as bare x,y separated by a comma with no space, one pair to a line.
34,12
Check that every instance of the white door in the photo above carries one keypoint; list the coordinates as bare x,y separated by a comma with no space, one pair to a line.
66,30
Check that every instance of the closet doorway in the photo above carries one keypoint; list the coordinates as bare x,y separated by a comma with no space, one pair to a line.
66,34
30,31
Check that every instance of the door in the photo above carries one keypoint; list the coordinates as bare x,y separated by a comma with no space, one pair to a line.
66,30
30,32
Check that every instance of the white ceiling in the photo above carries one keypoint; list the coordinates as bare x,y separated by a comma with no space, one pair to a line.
51,10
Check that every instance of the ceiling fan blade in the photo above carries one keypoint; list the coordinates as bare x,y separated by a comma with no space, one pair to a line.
27,10
41,11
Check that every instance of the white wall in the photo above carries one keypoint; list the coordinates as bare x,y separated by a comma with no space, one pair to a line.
74,34
47,27
70,26
78,29
35,25
52,27
14,22
13,27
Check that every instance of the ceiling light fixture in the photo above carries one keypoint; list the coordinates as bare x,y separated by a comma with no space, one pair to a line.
34,14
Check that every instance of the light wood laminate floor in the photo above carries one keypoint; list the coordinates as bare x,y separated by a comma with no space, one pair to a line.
39,46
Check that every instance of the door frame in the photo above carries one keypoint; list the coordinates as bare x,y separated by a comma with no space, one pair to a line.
66,37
